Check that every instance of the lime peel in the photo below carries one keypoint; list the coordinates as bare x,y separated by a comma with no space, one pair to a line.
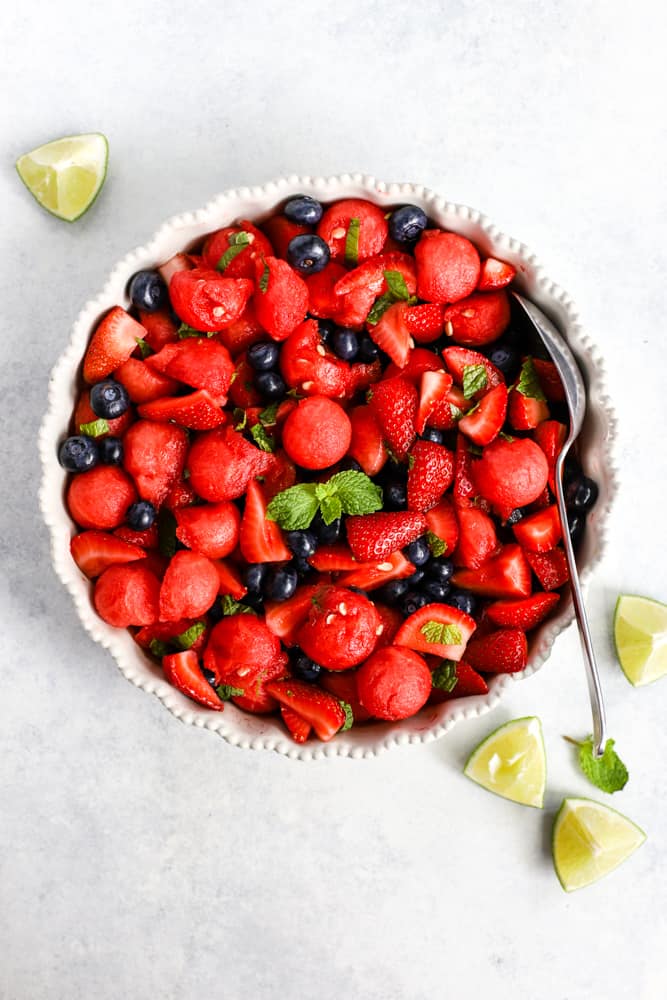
511,762
590,840
640,638
66,175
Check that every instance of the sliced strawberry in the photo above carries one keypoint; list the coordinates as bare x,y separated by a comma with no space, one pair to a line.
280,231
183,671
421,360
95,551
501,652
445,415
467,682
357,290
281,297
189,588
550,435
154,455
199,362
261,540
539,532
439,629
354,230
212,530
196,411
495,274
222,463
147,539
391,334
298,728
179,262
127,595
478,319
143,384
447,267
550,380
285,618
205,300
510,474
425,322
334,559
430,474
523,412
483,424
525,613
367,444
458,359
433,391
343,684
465,491
477,538
550,568
442,521
505,575
230,580
376,536
243,332
370,576
112,343
394,403
84,414
100,497
322,710
159,327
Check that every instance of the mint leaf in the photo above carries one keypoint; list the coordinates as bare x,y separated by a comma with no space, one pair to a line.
607,772
240,418
379,308
330,509
529,383
232,607
295,507
444,676
264,280
96,428
189,331
396,286
474,379
357,493
456,412
262,439
268,416
349,716
158,648
145,348
435,544
237,243
188,638
166,532
444,635
506,437
352,242
226,691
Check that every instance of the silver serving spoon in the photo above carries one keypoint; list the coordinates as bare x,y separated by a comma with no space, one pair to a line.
575,395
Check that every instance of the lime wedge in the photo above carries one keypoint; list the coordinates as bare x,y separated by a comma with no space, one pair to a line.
511,762
640,635
589,841
66,175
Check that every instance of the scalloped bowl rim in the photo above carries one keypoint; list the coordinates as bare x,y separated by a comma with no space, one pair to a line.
597,441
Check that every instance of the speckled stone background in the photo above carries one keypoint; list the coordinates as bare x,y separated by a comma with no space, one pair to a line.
143,859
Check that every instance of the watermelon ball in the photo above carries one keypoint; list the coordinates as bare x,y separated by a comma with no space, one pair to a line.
393,683
318,433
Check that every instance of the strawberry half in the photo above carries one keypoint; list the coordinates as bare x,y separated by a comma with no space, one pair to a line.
439,629
298,728
425,322
371,575
550,435
430,474
183,671
458,359
524,614
261,540
391,334
196,411
94,551
376,536
468,682
285,618
550,568
539,532
505,575
113,342
394,403
483,424
230,581
433,391
477,538
442,521
333,558
501,652
525,412
142,383
367,444
550,380
319,708
495,274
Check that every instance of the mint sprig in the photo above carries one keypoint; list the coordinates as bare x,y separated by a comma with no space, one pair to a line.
349,716
188,638
444,677
237,243
264,279
436,544
528,383
232,607
607,772
96,428
475,378
261,438
443,635
397,291
227,691
352,242
347,492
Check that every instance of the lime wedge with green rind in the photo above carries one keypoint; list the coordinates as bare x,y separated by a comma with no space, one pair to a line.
66,175
589,841
511,762
640,637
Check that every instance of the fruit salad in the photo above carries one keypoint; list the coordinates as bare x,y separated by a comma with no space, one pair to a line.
311,468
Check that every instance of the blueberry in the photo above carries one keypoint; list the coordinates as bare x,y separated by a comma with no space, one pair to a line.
209,675
302,543
109,399
435,590
415,578
326,329
434,435
581,493
462,600
254,601
368,350
392,592
147,291
302,566
504,357
418,552
576,523
305,669
280,583
413,601
348,464
514,517
253,577
308,254
407,223
345,344
140,515
270,385
304,210
111,450
327,533
440,570
264,355
396,496
215,612
78,453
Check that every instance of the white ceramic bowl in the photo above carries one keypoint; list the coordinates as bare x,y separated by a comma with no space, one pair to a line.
262,732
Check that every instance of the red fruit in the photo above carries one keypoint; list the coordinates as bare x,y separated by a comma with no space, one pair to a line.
322,299
391,620
179,262
426,322
441,520
430,474
222,463
310,368
477,538
127,595
84,414
391,334
280,476
458,359
143,384
449,410
468,682
501,652
447,267
510,474
221,246
199,362
212,530
525,412
539,532
433,390
550,568
159,328
367,444
338,223
197,411
483,424
154,455
261,540
494,274
183,671
375,536
205,300
550,380
525,613
465,492
439,629
156,563
242,391
180,495
230,581
280,231
168,632
285,618
319,708
370,576
357,290
240,649
100,497
112,343
394,403
255,697
144,539
281,297
421,360
298,728
243,332
550,435
95,551
394,683
505,575
343,684
318,433
341,629
334,559
189,587
478,319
